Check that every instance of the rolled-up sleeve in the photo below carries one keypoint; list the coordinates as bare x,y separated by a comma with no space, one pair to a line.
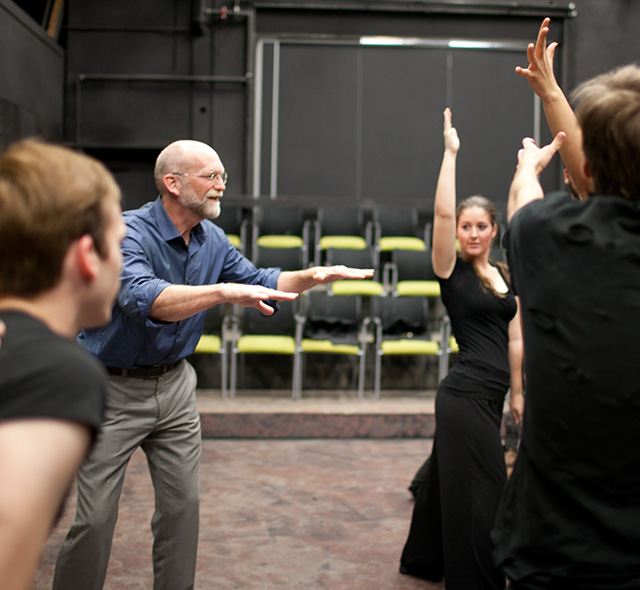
140,285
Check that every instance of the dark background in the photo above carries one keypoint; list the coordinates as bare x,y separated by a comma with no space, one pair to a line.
299,109
343,120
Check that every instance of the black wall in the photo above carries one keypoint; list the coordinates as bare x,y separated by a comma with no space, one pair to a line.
31,78
346,121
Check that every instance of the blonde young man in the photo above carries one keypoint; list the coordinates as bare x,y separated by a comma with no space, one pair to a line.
60,261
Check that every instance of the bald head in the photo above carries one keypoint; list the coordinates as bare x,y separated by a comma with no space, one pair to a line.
182,156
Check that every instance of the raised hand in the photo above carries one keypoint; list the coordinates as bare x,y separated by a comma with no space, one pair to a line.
539,73
536,158
532,160
451,139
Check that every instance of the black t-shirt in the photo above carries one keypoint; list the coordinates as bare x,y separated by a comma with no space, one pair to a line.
43,375
480,322
572,506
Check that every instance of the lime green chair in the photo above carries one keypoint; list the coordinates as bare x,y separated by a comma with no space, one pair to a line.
397,228
357,259
215,340
268,335
342,228
402,328
409,274
332,325
280,226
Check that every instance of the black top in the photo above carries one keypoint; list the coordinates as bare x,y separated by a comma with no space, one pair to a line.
43,375
480,322
572,505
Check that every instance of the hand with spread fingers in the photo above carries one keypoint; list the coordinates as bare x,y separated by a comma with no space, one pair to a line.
539,73
255,296
558,111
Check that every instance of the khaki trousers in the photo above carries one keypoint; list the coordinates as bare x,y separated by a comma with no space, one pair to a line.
160,416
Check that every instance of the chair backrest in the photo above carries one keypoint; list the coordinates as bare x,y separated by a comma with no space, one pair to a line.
397,221
214,317
412,265
334,318
282,220
284,258
403,316
281,323
364,258
342,221
230,218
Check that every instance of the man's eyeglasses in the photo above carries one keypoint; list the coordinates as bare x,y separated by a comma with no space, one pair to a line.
210,177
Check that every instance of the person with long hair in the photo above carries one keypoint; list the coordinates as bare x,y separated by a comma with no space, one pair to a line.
456,507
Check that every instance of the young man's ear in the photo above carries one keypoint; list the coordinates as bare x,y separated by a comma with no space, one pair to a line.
586,171
86,258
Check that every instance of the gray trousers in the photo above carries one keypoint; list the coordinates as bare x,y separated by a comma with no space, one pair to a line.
159,416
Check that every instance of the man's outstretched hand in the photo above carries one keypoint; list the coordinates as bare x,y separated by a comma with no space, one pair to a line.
329,274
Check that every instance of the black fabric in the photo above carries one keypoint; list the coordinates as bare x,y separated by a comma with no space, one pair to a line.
43,375
570,517
480,323
456,505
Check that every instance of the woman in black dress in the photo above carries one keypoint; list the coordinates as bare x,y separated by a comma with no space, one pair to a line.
456,507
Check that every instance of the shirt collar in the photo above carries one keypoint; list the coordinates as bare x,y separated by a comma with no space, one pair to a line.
167,228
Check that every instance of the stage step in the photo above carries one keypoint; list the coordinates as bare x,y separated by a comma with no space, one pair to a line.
321,414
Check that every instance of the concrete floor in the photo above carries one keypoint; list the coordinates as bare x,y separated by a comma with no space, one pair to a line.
279,515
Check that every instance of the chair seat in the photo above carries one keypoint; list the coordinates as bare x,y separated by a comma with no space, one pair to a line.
417,288
412,347
342,242
389,243
280,241
208,344
357,287
266,344
328,347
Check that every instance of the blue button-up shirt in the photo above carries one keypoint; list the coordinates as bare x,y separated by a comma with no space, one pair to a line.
155,257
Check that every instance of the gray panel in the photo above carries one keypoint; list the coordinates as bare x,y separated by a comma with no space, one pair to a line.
226,135
31,70
134,52
317,120
404,93
492,111
133,114
118,13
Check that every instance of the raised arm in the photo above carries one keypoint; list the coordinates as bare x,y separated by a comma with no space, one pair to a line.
532,160
558,111
443,254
